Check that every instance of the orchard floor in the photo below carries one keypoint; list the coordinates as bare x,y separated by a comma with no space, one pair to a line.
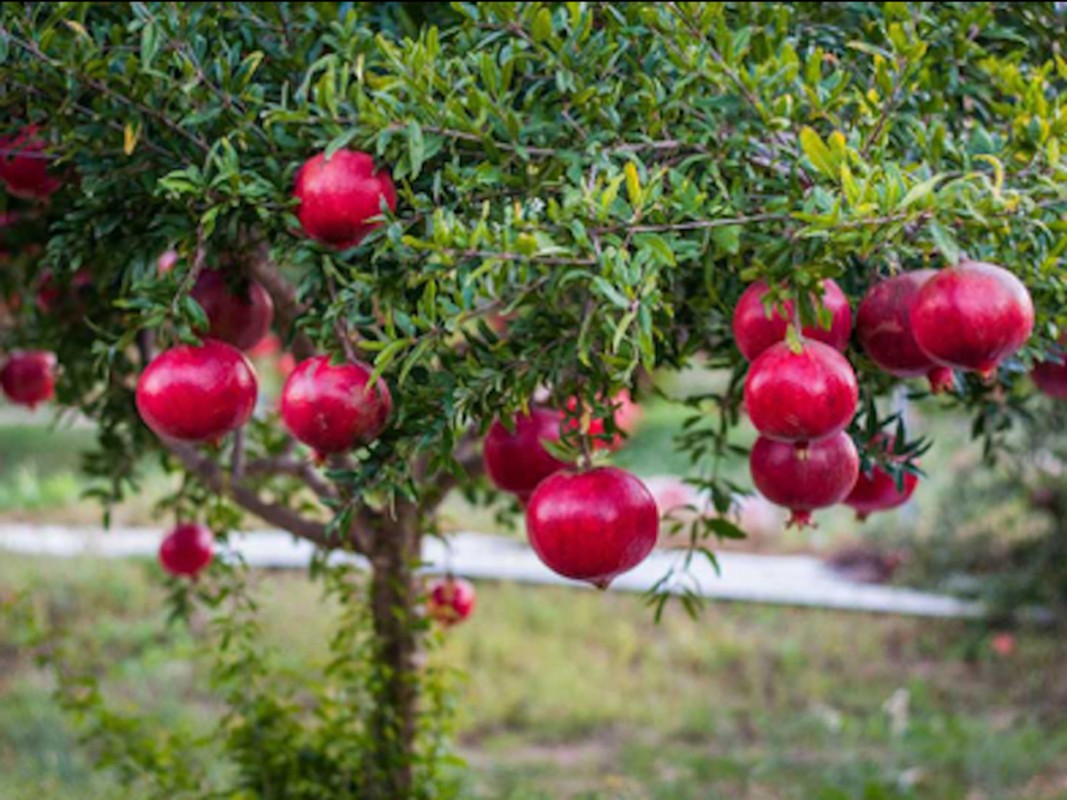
573,695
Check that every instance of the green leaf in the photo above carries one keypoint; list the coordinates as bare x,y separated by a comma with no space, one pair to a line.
817,151
921,190
945,242
727,239
340,142
149,45
416,148
542,25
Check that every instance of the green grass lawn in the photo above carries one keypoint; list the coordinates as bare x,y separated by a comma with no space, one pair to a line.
572,694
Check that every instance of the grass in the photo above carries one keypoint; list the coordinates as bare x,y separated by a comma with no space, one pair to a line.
574,695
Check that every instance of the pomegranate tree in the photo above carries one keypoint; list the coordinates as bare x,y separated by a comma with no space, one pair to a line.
972,316
341,195
240,314
29,378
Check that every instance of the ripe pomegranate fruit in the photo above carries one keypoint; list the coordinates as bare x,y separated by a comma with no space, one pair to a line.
883,327
800,396
24,165
592,526
1051,378
29,378
971,316
339,196
53,297
803,478
517,462
240,316
197,394
187,550
878,490
450,600
331,408
627,415
755,329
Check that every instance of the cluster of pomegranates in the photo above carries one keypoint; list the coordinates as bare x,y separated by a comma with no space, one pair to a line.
801,396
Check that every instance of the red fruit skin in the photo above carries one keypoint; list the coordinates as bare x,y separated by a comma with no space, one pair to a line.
797,397
517,462
592,526
805,478
627,414
29,378
25,172
166,262
339,196
1051,378
450,601
755,331
242,317
187,550
971,316
878,492
331,408
196,394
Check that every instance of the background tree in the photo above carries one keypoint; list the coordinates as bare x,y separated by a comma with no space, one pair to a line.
584,192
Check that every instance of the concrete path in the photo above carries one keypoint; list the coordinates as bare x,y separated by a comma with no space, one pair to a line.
784,580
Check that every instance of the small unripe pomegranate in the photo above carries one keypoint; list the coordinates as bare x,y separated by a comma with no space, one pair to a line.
878,490
197,394
883,327
240,316
450,600
338,197
29,377
806,477
800,396
331,408
756,329
187,550
518,461
593,525
971,316
24,165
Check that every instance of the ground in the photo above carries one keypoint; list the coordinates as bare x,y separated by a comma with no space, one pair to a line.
576,695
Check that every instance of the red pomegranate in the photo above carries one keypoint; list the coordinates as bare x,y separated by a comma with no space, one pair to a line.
592,526
29,377
60,297
197,393
1051,378
187,550
517,462
331,408
240,315
803,478
883,327
24,165
971,316
799,396
450,600
339,196
878,490
627,415
755,329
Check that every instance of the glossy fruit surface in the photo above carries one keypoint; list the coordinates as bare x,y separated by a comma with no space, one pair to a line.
450,600
240,315
801,396
806,477
29,377
338,197
592,526
24,166
518,461
331,407
972,316
756,329
187,550
197,393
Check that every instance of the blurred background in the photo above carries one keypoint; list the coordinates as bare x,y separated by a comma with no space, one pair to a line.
566,693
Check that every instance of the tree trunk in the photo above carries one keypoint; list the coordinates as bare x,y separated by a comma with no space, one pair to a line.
394,594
